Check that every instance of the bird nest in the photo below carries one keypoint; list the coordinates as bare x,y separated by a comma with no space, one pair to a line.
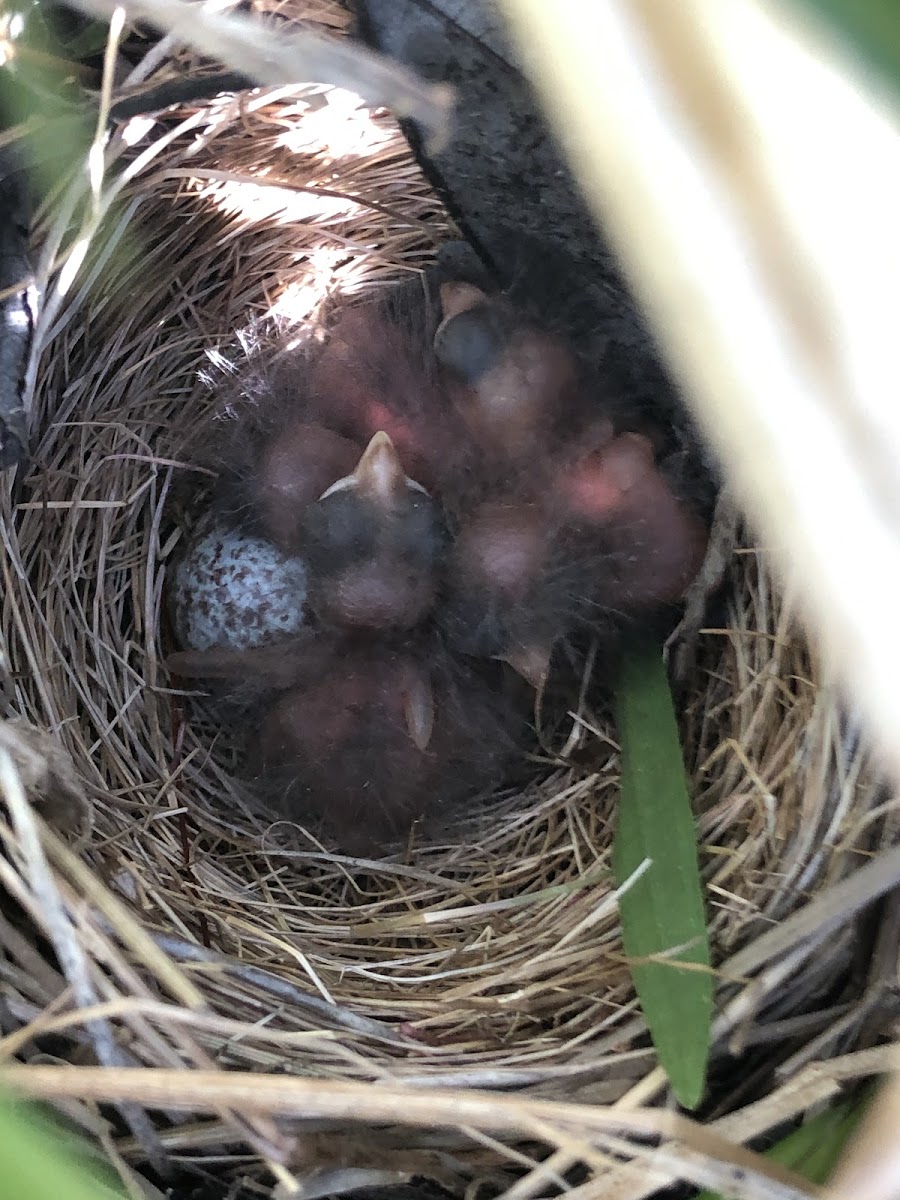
155,922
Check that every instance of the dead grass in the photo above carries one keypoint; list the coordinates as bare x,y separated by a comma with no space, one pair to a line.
190,934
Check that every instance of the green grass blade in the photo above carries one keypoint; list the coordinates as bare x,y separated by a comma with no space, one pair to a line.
39,1161
870,27
663,910
814,1149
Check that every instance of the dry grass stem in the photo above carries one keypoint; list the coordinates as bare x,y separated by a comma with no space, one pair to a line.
768,256
577,1127
283,56
215,961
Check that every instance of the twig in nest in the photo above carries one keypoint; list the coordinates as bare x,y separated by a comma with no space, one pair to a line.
581,1129
276,56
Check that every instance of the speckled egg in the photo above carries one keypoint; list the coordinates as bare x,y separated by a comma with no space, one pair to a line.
233,591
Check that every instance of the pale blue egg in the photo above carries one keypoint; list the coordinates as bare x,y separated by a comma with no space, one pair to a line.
234,591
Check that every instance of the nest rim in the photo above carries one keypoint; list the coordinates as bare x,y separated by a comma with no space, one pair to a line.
476,963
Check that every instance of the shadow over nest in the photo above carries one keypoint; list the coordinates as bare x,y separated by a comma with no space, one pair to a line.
491,959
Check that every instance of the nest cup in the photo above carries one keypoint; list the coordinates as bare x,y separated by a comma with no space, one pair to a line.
490,960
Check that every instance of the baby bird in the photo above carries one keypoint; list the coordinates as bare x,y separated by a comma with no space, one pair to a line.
294,467
352,748
656,539
582,531
366,737
515,384
462,496
606,543
390,737
374,375
372,544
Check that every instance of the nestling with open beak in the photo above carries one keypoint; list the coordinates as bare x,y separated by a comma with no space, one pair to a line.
459,489
377,375
373,544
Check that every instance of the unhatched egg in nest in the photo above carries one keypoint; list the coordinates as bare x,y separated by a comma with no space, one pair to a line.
234,591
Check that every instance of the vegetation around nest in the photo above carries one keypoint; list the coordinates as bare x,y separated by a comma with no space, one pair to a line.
177,929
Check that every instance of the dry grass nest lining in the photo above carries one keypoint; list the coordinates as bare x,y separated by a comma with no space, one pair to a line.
491,962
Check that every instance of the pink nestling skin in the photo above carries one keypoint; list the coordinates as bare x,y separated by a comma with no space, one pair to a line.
594,488
496,603
353,747
307,655
295,466
366,736
661,541
383,740
512,384
501,548
342,731
371,377
605,536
